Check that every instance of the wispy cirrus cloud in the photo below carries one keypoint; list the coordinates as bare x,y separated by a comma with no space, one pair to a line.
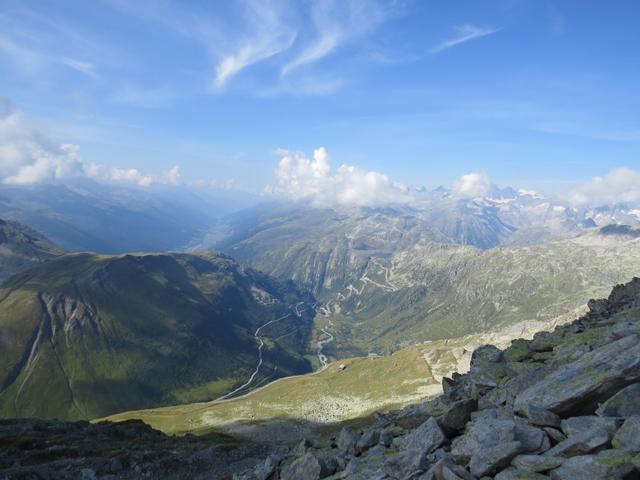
335,23
33,43
267,34
32,59
464,33
256,31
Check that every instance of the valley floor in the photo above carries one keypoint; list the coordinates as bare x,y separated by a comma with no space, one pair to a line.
291,408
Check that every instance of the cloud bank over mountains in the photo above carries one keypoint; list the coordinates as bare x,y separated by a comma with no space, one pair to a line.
27,156
620,185
473,185
299,177
313,179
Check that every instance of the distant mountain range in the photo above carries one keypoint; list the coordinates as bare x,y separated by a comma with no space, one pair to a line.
90,216
85,215
388,279
504,217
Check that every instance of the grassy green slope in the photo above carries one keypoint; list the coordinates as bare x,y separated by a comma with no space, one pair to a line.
303,406
87,335
366,385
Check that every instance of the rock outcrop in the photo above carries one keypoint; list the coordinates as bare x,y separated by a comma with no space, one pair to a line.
564,405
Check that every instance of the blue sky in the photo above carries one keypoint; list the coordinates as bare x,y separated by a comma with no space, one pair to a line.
533,93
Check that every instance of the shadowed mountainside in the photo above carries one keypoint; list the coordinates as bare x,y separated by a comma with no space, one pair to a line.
87,335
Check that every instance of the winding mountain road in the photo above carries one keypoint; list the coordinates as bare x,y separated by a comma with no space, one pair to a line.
256,335
321,343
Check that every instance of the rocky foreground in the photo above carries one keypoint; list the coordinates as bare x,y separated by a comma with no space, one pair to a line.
48,450
564,406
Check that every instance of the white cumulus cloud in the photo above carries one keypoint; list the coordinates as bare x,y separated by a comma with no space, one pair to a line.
131,175
620,185
27,156
473,185
313,179
173,175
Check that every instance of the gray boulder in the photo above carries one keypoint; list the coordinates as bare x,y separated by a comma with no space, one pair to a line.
265,469
307,467
444,469
576,425
369,439
421,442
554,434
623,404
580,444
606,465
347,441
579,385
491,460
487,368
506,393
515,474
536,463
628,437
540,416
427,437
457,417
490,428
88,474
386,436
518,351
302,447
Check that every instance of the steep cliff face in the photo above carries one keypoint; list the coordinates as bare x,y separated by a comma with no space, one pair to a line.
87,335
324,250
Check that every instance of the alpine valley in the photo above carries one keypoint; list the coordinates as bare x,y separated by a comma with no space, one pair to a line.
276,324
